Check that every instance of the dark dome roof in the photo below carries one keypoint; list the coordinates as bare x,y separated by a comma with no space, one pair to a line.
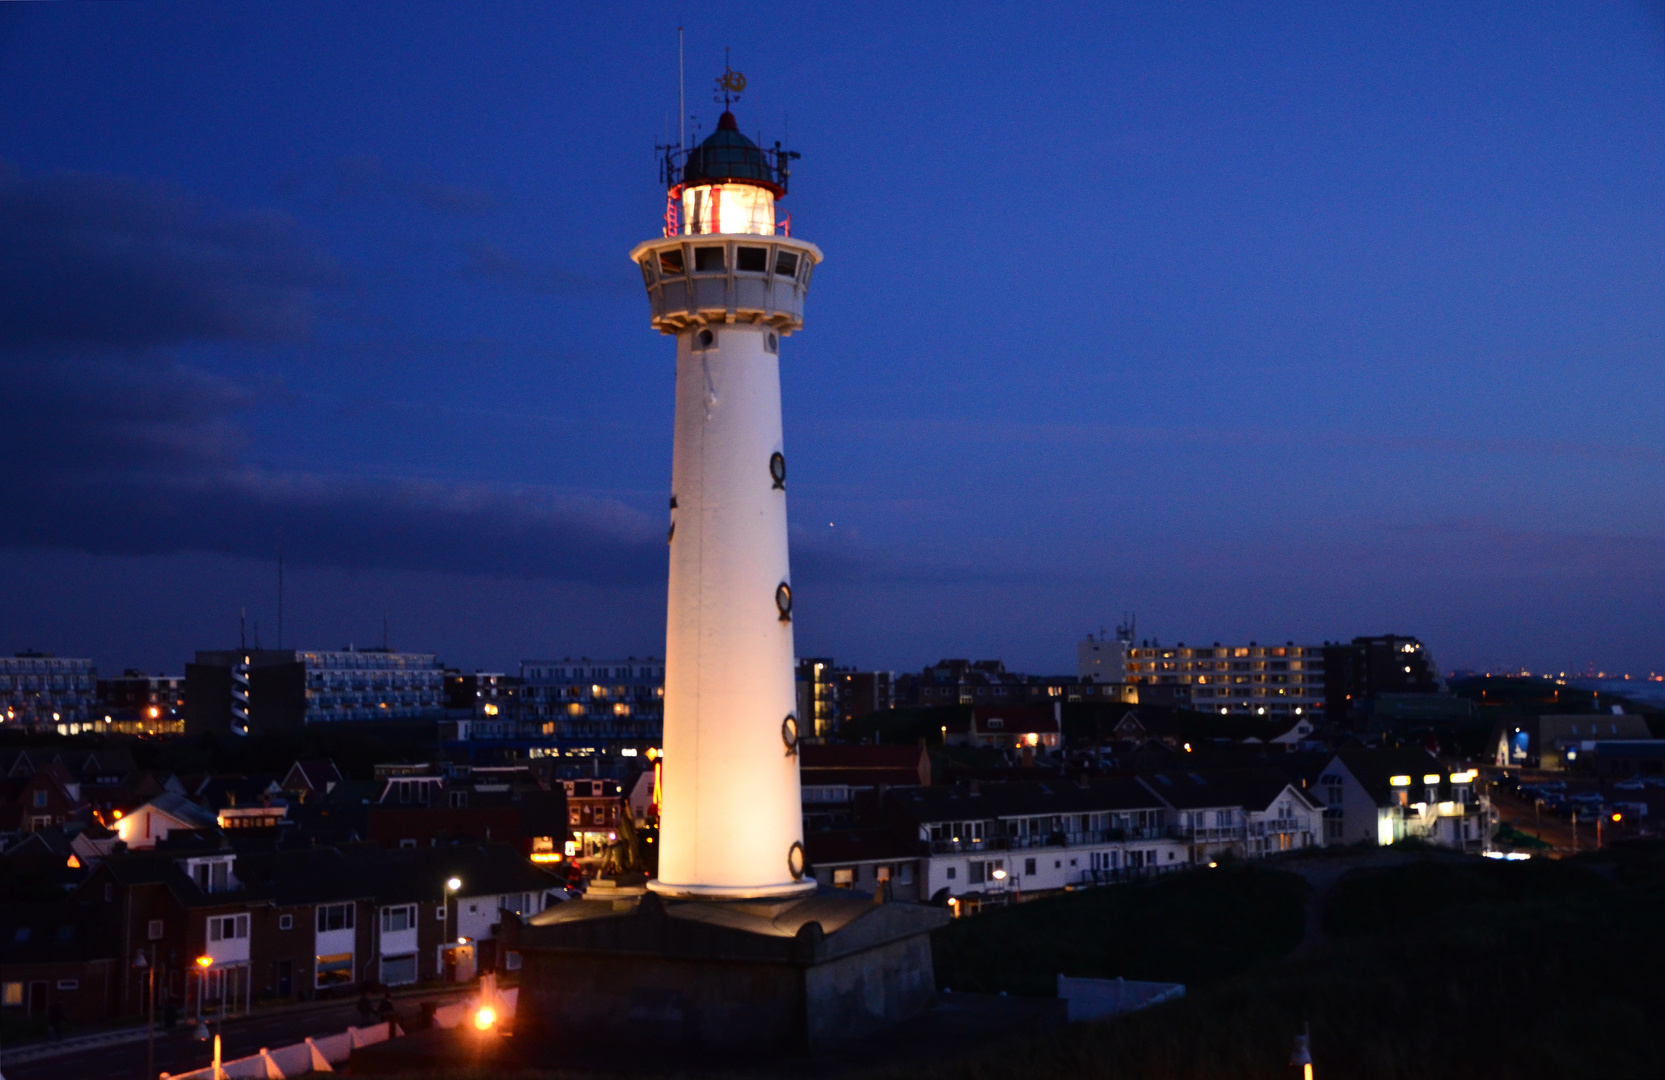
728,156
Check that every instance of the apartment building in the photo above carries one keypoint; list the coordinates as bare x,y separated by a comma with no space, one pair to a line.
141,704
244,690
594,706
1274,681
44,693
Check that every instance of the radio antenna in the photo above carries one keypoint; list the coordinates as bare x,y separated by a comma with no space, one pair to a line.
681,97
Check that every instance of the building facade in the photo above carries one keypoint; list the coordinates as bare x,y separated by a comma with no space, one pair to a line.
142,704
44,693
1359,670
598,706
817,687
258,689
1275,681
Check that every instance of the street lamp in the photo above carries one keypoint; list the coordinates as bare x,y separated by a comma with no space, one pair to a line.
452,885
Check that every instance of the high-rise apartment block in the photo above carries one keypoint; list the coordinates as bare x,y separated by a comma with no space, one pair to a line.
43,693
597,704
1252,680
141,704
1385,664
817,697
242,690
861,693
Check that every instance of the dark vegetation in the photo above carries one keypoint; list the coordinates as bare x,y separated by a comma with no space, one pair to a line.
1195,928
1444,966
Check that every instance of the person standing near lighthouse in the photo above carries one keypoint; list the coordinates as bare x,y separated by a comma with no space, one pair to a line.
730,288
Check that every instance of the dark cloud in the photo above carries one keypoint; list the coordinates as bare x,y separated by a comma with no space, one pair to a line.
100,261
110,445
366,174
491,263
344,522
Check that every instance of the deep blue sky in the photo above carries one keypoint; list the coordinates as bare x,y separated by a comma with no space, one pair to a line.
1270,322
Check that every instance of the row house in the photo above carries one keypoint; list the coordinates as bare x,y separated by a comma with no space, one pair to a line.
831,776
992,843
1010,727
47,797
223,928
56,957
1385,796
1237,813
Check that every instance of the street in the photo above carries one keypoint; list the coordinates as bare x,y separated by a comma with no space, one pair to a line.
179,1051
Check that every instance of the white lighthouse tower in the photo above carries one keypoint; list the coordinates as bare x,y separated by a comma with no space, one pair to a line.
729,288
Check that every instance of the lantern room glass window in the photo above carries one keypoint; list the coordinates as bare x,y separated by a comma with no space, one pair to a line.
729,208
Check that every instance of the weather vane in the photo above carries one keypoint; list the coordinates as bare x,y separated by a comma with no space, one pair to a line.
729,84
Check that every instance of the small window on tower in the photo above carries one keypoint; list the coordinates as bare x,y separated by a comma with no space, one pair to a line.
771,343
647,272
670,261
808,267
705,339
786,263
753,260
708,259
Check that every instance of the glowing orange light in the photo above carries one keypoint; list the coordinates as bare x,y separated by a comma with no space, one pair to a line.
205,961
75,864
485,1018
155,712
118,814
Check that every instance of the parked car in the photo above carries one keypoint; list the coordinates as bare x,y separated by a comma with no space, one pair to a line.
1588,798
1635,783
1630,809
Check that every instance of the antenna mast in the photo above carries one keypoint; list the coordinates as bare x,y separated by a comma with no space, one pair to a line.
681,99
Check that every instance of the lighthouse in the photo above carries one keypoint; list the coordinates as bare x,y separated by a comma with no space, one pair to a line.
733,946
727,281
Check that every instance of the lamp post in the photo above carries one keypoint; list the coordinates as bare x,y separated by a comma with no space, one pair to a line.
202,1032
141,963
452,885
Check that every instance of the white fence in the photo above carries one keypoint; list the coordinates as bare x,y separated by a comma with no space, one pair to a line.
322,1055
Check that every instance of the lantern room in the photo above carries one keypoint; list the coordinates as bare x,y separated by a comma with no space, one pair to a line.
726,184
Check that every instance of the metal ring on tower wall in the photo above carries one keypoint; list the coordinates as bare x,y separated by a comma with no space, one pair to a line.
783,601
789,734
795,860
777,469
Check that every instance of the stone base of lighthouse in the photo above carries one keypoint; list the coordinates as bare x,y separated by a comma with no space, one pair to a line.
729,977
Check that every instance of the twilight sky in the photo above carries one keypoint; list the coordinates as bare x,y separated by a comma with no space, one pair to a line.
1281,321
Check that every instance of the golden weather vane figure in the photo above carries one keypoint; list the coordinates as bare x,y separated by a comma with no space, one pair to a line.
729,84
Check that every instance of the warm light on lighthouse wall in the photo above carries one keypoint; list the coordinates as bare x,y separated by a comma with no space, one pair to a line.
729,290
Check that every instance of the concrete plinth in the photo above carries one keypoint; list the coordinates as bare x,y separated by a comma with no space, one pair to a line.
792,976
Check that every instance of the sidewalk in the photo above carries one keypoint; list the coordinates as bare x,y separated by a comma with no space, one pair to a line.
41,1050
